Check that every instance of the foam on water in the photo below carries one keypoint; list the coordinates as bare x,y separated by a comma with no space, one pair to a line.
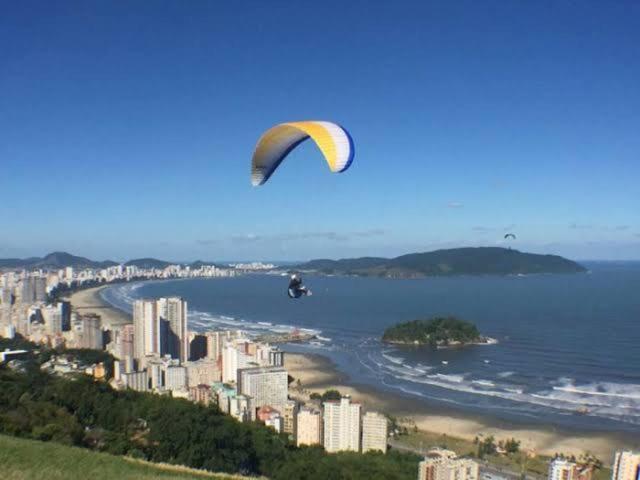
503,384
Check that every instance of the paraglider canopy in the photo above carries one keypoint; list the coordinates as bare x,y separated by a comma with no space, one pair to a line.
509,235
334,142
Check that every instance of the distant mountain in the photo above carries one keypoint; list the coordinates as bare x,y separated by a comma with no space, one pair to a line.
455,261
200,263
54,260
57,260
147,263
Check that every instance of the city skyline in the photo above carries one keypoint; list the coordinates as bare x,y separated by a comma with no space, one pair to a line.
468,120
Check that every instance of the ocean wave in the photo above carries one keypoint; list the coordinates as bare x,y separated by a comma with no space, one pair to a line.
396,360
123,297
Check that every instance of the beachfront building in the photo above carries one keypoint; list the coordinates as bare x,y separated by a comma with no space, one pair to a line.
374,432
562,469
160,328
342,425
440,464
173,313
266,385
626,466
308,429
146,329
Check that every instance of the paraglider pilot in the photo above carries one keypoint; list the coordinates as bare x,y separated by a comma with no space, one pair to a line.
296,289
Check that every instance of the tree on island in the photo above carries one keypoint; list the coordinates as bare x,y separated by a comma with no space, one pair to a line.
434,331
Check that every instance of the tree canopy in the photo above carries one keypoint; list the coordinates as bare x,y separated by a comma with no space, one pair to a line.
434,331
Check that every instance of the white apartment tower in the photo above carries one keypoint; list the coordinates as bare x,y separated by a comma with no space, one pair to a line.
626,466
342,425
160,328
374,432
266,385
232,361
146,329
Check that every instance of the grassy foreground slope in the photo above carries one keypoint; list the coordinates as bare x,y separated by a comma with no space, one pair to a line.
22,459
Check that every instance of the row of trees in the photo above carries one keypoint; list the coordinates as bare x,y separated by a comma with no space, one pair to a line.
90,414
488,446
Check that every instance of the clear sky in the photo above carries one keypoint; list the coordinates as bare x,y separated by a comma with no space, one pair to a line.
127,128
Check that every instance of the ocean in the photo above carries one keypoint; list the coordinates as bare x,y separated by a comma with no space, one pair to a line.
567,351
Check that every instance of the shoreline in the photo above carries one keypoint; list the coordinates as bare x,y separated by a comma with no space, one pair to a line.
90,301
318,373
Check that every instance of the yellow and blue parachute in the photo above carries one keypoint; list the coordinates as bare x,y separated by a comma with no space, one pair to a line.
334,142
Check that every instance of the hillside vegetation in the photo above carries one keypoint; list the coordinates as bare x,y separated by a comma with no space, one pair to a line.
86,413
455,261
435,331
22,459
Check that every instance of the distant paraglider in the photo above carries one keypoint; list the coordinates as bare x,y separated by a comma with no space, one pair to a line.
334,142
296,289
509,236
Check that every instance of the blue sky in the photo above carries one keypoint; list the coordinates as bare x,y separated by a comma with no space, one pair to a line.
127,128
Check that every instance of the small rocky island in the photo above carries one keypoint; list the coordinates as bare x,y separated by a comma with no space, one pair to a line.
438,332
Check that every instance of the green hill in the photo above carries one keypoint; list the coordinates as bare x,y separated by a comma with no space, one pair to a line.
22,459
54,260
454,261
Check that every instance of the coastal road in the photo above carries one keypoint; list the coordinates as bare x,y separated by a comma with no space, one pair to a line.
487,471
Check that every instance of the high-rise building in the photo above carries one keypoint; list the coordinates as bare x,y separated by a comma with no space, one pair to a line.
444,465
626,466
203,371
374,432
87,331
267,385
126,339
197,346
341,425
173,310
233,359
146,329
52,319
276,357
175,377
308,427
289,417
160,328
34,290
216,341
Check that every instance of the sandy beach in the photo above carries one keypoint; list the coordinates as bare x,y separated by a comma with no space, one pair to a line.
89,301
317,374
